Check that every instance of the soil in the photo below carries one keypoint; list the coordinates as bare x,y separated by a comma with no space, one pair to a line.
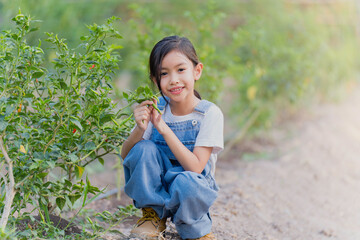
57,221
299,181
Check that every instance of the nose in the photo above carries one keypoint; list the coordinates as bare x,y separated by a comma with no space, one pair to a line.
174,79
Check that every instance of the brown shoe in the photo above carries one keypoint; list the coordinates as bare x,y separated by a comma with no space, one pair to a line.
150,226
209,236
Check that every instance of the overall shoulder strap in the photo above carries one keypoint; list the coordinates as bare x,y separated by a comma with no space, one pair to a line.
162,103
203,106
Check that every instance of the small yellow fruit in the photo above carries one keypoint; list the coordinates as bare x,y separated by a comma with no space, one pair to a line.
251,92
22,149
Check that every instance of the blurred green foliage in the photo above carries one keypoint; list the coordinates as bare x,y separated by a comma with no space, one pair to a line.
259,55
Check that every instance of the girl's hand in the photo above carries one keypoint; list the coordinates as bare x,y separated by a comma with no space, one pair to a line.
142,114
156,119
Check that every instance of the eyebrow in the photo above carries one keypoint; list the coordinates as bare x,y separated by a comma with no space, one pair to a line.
177,65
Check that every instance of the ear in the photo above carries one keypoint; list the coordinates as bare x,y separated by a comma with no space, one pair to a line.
197,71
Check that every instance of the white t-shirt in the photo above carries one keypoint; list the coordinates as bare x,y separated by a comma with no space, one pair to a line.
211,132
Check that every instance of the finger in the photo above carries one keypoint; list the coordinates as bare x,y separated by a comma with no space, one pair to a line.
155,114
142,110
142,116
154,101
147,102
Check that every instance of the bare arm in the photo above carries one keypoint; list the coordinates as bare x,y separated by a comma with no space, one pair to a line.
134,138
142,118
191,161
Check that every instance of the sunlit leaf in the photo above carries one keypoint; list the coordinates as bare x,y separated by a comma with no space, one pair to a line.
77,123
79,171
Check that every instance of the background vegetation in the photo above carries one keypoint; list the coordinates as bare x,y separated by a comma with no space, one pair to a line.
261,58
266,53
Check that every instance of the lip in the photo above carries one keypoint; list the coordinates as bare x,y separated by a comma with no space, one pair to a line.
176,90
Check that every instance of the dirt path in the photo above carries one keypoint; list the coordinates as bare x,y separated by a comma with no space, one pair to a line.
307,187
303,183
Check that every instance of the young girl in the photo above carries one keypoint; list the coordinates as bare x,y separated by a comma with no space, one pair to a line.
169,159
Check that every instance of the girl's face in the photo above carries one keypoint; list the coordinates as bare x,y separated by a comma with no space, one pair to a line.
178,76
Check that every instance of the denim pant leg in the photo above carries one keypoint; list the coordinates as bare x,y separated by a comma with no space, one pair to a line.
190,199
144,169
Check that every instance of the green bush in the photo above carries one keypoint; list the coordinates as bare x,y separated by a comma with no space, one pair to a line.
55,119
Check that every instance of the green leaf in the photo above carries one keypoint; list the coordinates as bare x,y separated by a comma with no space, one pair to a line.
68,183
148,90
9,109
90,146
94,91
105,118
115,231
115,47
3,125
140,89
51,164
125,95
73,157
60,202
79,171
101,160
34,29
63,85
86,189
37,74
42,175
73,198
77,123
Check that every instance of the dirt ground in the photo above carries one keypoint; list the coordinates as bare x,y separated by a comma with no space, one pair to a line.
301,181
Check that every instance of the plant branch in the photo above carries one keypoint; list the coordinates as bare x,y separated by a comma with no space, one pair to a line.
2,165
23,180
9,187
53,137
87,155
96,158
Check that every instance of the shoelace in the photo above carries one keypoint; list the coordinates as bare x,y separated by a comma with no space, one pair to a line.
148,215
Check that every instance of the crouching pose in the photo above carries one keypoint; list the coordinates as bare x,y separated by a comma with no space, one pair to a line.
169,158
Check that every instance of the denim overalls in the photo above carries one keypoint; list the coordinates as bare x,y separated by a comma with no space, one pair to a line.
154,178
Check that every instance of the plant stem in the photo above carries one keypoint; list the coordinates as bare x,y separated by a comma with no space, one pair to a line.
83,206
87,155
96,158
70,173
9,187
53,137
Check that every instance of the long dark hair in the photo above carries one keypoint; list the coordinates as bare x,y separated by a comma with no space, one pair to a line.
163,47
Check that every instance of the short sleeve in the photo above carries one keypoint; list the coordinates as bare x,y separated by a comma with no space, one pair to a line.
148,131
211,132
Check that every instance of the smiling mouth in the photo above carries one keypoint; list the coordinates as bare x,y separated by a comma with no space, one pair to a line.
176,90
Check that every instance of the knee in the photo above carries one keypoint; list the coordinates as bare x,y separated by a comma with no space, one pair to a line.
194,186
186,180
144,146
139,150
